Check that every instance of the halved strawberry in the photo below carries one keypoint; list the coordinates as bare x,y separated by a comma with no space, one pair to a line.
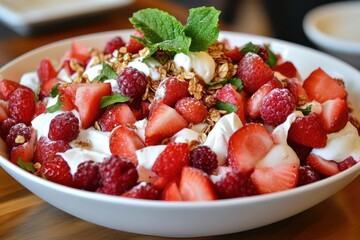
171,90
171,192
309,131
322,166
80,52
164,122
193,110
287,69
253,72
124,142
24,151
254,103
171,161
47,86
134,46
119,114
321,87
227,94
196,186
296,89
247,146
7,87
46,71
334,114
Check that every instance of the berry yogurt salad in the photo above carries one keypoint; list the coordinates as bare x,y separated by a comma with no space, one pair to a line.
175,114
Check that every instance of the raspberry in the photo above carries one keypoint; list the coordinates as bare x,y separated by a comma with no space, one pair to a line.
57,170
65,126
6,125
18,134
87,176
132,82
191,109
46,149
347,163
203,158
235,184
113,44
143,191
307,175
276,106
22,105
118,175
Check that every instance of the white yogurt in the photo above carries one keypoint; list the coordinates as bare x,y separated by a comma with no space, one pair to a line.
96,140
146,158
30,80
150,67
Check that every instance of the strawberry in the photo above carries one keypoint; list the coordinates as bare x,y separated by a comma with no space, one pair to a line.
347,163
47,86
40,108
234,54
171,192
254,103
57,170
46,71
334,114
134,46
80,52
322,166
247,146
193,110
164,122
227,94
321,87
143,191
22,105
309,131
171,160
196,186
171,90
287,69
124,142
115,115
4,110
7,87
47,149
85,97
253,72
296,89
24,151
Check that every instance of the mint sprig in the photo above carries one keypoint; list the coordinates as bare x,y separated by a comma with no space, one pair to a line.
106,73
228,107
115,98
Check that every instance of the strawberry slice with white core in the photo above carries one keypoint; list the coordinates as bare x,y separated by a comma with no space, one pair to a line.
171,192
322,166
247,146
334,115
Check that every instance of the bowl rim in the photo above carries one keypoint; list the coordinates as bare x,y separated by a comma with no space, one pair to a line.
323,39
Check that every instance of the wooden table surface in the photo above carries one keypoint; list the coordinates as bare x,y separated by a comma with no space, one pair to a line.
25,216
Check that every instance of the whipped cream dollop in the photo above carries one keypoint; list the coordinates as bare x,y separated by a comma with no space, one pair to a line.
219,136
30,80
278,154
186,135
280,133
92,139
200,62
150,67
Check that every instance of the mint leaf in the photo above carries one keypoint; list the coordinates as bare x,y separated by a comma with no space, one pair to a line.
272,60
250,47
28,166
115,98
57,106
306,111
226,106
54,90
106,73
37,92
237,83
202,27
161,31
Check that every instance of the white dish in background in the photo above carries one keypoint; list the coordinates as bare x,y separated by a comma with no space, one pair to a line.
335,29
22,15
189,219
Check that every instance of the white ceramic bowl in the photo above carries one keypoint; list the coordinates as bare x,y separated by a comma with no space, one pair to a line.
188,219
335,29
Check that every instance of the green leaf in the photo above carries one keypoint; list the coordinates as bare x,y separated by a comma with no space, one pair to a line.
28,166
37,92
226,107
237,83
250,47
57,106
202,27
306,111
115,98
272,60
54,90
106,73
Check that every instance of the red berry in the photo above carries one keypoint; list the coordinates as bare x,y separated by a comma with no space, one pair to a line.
307,175
46,149
18,134
143,191
113,44
22,105
6,125
347,163
64,126
191,109
132,83
235,184
57,170
118,175
276,106
115,115
87,176
134,46
203,158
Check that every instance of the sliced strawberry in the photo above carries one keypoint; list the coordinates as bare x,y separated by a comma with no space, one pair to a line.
193,110
66,65
164,122
254,103
253,72
321,87
40,108
247,146
234,54
145,108
334,114
24,151
46,71
287,69
119,114
171,90
47,86
124,142
322,166
171,192
67,96
196,186
309,131
227,94
296,89
80,52
134,46
7,87
171,161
